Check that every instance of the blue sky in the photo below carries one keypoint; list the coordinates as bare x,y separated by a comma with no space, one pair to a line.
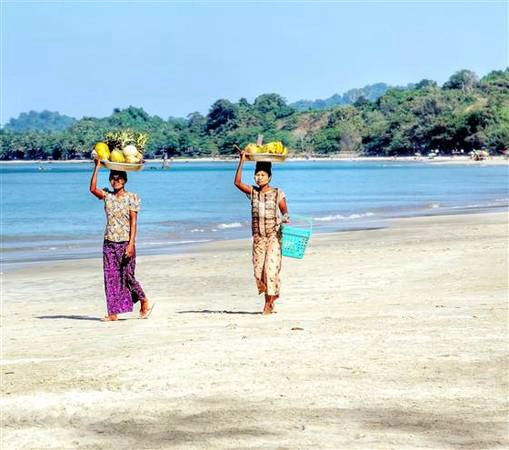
173,58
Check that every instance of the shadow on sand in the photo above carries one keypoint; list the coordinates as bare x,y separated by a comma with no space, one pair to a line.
146,426
208,311
71,317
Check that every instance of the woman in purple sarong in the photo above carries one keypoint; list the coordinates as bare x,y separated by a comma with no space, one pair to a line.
119,254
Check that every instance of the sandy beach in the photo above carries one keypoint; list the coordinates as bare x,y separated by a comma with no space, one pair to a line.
394,338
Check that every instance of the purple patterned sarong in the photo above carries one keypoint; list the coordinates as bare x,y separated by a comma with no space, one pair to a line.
122,289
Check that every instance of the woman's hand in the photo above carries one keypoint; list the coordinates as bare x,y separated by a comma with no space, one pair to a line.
238,174
241,152
129,251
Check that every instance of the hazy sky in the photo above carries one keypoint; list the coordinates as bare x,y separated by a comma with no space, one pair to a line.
173,58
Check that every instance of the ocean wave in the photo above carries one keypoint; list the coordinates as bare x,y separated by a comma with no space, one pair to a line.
189,241
434,205
225,226
342,217
477,205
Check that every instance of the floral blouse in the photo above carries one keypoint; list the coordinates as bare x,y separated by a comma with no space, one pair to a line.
117,215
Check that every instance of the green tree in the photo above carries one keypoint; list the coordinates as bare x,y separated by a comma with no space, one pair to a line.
272,104
222,115
426,84
326,141
466,80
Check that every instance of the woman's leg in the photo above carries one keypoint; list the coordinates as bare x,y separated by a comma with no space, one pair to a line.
135,288
132,283
272,270
259,251
118,297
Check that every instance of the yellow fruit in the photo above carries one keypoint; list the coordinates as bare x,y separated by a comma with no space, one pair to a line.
102,150
134,159
253,148
275,148
117,156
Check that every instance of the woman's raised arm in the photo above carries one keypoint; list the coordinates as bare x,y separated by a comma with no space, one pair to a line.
238,175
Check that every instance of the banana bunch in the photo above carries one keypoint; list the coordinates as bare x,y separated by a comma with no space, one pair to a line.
253,148
275,148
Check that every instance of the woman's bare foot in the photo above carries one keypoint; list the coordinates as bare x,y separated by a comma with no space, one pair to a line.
269,303
110,318
269,306
145,309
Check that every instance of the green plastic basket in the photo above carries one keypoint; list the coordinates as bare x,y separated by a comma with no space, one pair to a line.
295,239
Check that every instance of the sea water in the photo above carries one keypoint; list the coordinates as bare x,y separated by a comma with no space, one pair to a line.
48,212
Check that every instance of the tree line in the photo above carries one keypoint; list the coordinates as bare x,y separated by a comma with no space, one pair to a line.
465,113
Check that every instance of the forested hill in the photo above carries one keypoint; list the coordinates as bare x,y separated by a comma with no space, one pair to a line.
370,92
43,121
467,113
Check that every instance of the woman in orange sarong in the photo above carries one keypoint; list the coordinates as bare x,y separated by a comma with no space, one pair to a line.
268,211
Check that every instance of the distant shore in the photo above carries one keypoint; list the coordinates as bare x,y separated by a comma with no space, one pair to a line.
493,160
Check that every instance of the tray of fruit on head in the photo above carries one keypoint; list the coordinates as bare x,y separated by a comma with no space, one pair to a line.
121,150
270,152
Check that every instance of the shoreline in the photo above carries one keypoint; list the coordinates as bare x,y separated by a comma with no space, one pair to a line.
493,160
391,338
190,247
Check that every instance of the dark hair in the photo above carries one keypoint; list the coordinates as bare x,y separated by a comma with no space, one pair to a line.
265,166
119,173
